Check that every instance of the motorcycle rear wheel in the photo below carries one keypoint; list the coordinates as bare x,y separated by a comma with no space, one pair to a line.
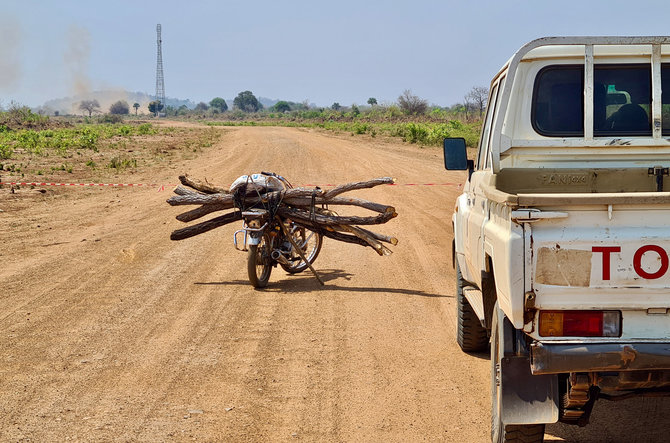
310,243
259,263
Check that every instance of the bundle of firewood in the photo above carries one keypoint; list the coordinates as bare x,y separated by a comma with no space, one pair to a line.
307,207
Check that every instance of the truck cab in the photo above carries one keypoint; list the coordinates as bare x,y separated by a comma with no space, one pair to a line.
561,236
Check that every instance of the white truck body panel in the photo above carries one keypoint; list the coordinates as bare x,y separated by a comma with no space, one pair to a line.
565,217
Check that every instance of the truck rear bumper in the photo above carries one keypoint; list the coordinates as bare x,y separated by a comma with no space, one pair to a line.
549,358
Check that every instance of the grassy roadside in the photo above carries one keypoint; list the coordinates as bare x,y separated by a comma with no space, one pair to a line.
40,148
37,148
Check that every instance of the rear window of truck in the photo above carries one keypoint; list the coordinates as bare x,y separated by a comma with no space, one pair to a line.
665,97
558,101
621,100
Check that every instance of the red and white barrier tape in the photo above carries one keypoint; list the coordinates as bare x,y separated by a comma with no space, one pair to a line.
458,185
81,184
162,187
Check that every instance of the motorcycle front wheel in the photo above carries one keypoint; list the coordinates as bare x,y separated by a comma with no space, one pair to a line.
259,263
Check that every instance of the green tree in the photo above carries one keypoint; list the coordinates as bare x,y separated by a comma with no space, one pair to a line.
219,103
136,106
90,106
155,106
119,108
335,106
246,101
202,106
372,101
282,106
355,110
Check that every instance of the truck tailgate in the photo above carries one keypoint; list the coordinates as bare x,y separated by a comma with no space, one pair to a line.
600,259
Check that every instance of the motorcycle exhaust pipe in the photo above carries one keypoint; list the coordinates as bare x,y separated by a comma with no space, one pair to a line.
279,257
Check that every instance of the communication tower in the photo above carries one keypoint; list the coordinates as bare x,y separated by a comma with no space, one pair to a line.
160,85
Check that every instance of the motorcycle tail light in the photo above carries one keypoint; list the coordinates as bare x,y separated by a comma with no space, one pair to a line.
580,323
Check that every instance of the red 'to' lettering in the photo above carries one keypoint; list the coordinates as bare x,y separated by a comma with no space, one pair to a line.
637,262
606,251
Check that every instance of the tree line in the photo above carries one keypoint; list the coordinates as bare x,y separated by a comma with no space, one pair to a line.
473,105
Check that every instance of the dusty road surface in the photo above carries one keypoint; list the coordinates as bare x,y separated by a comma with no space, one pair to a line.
110,331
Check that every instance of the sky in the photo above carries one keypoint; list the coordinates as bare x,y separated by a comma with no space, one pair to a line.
341,51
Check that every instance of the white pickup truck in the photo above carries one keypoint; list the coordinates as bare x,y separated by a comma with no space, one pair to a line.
562,233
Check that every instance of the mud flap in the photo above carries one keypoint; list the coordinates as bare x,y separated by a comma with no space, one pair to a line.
526,398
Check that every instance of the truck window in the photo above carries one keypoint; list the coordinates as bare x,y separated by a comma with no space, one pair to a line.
500,88
665,97
622,100
483,143
558,101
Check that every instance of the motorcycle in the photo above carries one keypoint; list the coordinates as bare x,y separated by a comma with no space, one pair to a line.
270,240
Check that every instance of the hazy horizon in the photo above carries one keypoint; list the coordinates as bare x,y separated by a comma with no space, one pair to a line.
341,52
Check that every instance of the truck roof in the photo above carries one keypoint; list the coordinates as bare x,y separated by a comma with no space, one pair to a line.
553,47
508,134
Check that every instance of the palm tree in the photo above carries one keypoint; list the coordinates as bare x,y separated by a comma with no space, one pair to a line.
136,106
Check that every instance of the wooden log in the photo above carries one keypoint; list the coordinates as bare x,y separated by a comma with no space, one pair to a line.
203,210
294,204
190,231
381,237
329,231
358,185
292,193
344,237
205,187
251,198
180,190
365,235
299,215
298,201
307,202
375,244
374,235
199,199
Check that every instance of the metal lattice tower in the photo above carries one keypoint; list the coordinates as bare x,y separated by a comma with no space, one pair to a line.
160,85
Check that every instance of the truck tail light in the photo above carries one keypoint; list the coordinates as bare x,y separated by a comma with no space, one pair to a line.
580,323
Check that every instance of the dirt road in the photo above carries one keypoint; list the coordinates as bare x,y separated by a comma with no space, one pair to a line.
110,331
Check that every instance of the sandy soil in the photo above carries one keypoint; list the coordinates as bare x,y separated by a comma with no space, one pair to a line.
110,331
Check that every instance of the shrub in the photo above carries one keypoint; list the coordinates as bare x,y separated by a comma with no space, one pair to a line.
145,129
119,108
5,151
412,104
110,118
119,163
125,130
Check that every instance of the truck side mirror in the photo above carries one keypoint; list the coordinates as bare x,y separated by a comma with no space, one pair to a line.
456,156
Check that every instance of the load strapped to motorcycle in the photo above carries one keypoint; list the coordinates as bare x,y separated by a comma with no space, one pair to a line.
282,224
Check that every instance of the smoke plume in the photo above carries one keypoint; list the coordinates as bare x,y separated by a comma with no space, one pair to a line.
76,59
10,54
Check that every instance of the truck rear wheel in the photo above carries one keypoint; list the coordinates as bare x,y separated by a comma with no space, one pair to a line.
500,432
471,336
